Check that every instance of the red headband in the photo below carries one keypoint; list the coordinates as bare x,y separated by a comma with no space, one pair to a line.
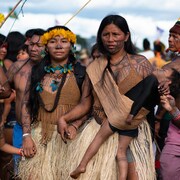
176,27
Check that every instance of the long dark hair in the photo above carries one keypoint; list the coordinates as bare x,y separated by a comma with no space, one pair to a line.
2,39
15,40
37,75
121,23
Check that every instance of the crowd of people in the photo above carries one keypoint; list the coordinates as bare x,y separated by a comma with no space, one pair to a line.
94,117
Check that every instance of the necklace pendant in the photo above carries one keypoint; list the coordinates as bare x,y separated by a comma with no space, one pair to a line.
57,73
54,85
39,87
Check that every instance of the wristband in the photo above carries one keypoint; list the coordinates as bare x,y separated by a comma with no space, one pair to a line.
175,113
176,118
21,152
74,126
26,134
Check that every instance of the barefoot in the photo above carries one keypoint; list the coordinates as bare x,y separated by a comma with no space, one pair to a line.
76,173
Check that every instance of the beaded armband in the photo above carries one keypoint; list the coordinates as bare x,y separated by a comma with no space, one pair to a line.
176,115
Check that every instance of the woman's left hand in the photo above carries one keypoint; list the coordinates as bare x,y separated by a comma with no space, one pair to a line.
72,132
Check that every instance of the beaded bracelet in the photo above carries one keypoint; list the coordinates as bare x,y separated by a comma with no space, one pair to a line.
21,152
175,114
177,118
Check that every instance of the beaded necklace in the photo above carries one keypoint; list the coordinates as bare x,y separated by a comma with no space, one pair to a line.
56,73
63,71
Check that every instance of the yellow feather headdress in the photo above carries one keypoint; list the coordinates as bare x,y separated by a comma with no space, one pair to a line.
56,32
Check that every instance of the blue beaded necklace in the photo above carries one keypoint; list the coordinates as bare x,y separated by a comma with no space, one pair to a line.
62,69
67,68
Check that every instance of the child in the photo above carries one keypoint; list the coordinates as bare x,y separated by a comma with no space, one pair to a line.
170,152
6,147
23,53
142,98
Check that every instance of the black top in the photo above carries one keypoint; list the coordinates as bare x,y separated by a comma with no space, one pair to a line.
144,94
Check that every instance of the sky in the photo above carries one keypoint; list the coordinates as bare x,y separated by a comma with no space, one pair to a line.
143,16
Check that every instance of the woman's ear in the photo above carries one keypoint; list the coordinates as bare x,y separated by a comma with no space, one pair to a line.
127,36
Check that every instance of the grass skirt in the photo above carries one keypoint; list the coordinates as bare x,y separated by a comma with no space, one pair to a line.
56,160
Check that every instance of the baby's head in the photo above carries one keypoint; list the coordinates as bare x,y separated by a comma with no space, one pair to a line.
23,53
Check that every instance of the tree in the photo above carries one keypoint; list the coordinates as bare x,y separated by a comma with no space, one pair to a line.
82,41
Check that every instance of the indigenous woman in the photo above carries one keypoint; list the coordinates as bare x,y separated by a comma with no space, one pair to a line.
5,147
7,107
113,77
171,150
54,90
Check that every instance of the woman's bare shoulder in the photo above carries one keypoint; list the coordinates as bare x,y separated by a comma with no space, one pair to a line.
138,59
141,64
